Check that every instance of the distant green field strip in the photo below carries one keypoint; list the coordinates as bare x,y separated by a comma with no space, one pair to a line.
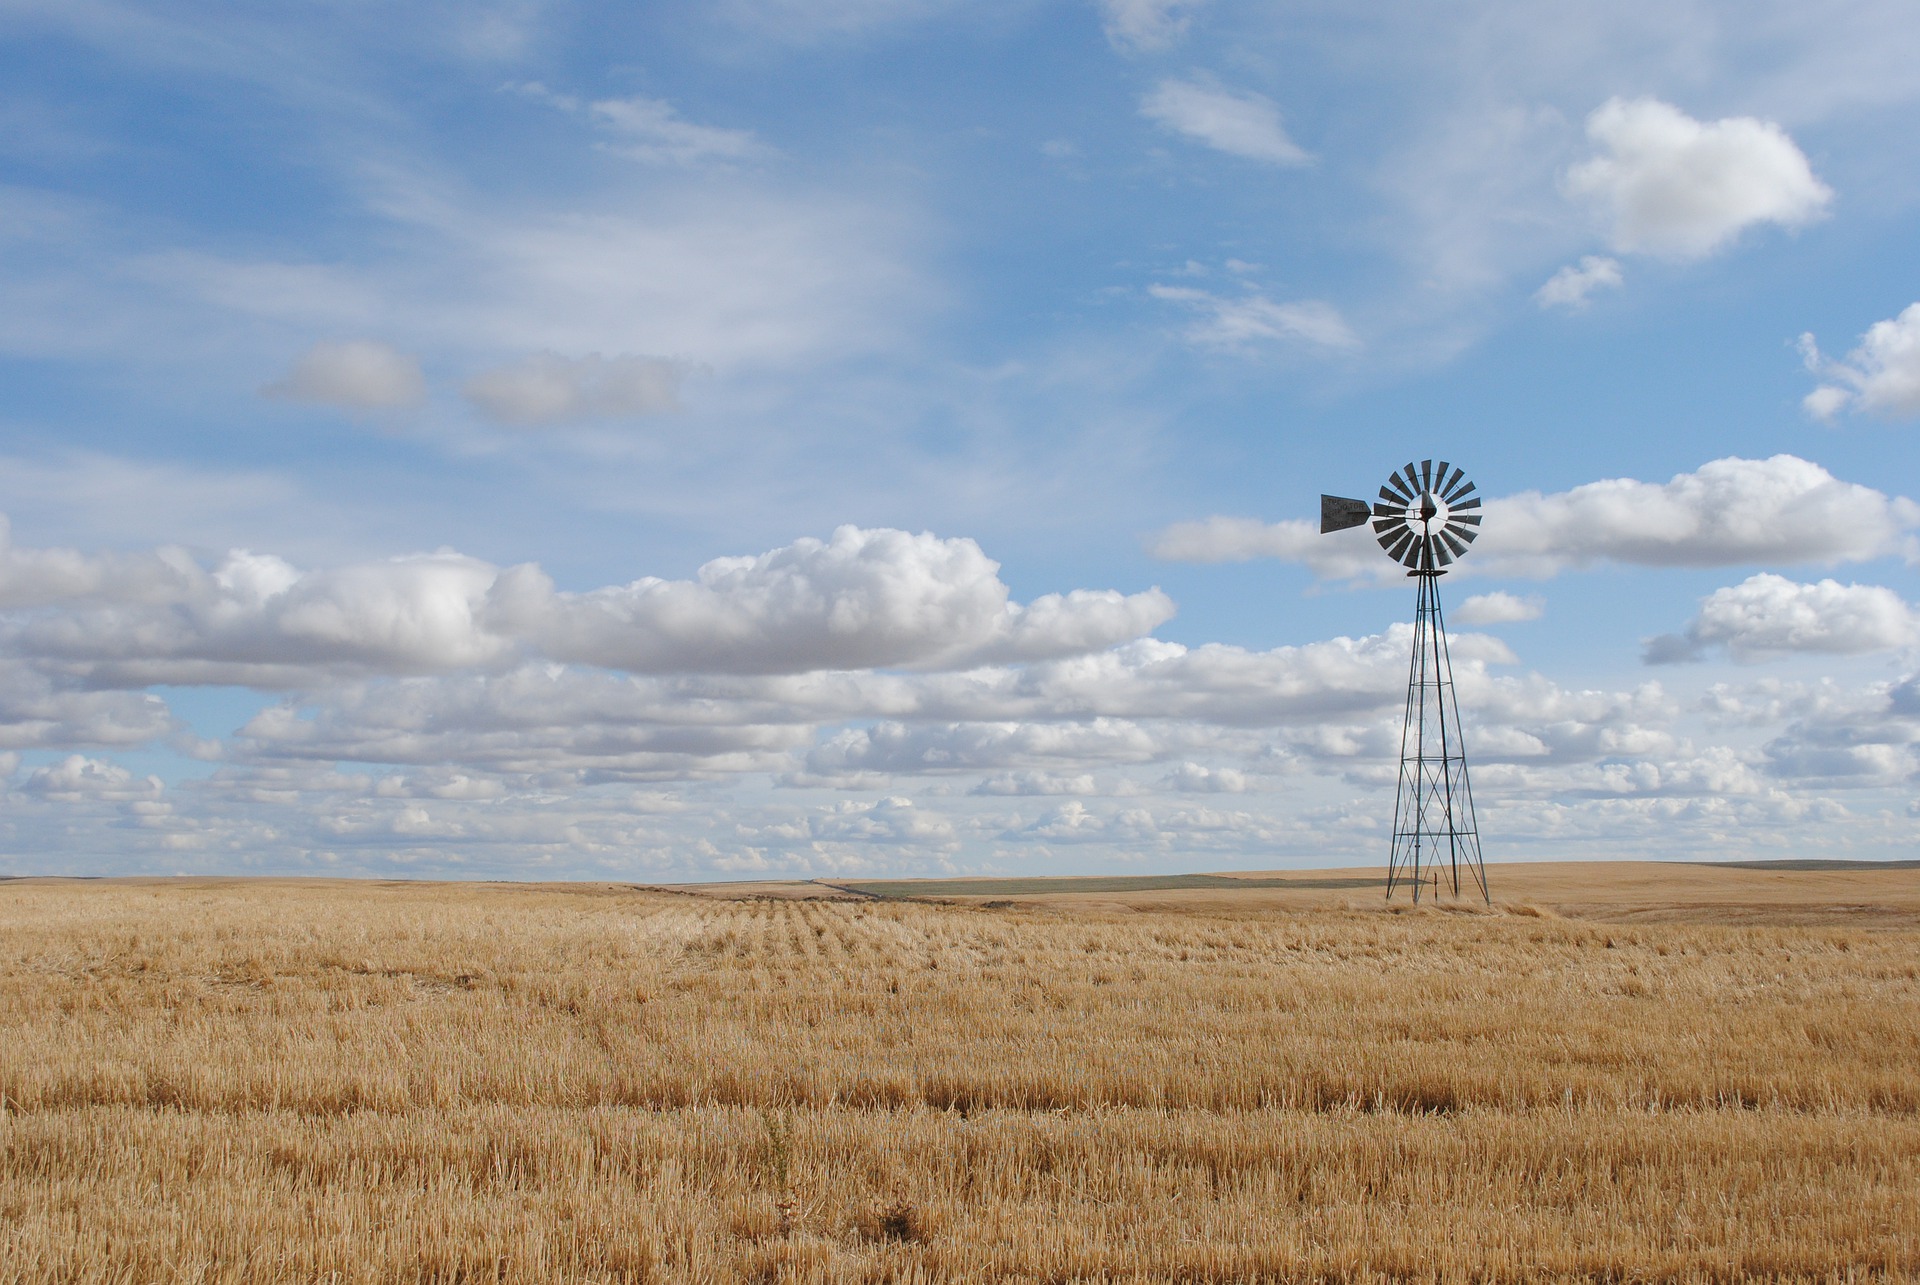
1813,863
1118,883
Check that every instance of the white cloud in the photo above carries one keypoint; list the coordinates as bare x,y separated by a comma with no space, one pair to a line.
893,747
858,600
558,725
1569,287
658,134
1731,511
1881,376
651,128
1146,26
1768,615
546,388
1499,608
1826,401
255,620
1851,738
1239,123
1195,778
1239,324
40,712
1037,785
1679,188
78,779
354,374
38,577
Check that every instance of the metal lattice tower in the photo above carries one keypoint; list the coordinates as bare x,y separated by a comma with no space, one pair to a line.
1425,519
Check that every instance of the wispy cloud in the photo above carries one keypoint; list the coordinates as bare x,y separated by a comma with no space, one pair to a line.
1569,287
1147,26
354,374
1251,320
1240,123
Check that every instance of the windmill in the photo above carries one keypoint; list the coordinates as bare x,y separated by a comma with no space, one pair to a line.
1425,519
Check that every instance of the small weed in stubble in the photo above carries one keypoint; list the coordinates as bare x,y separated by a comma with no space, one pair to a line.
776,1148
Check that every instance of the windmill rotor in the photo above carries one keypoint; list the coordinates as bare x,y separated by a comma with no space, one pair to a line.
1424,519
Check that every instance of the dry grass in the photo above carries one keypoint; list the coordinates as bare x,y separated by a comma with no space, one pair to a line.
283,1081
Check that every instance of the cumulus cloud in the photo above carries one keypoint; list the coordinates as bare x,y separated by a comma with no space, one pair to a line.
1196,778
1769,615
1146,26
1239,123
860,599
1499,608
255,620
1040,716
1240,324
1730,511
37,711
1782,509
32,577
550,723
1569,287
1036,784
546,388
893,747
1850,738
1881,376
78,779
353,374
1680,188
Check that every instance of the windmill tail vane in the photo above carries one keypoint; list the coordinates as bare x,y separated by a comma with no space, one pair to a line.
1424,520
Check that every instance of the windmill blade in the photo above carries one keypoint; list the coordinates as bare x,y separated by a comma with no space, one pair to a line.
1440,479
1383,525
1395,491
1465,533
1426,475
1462,493
1440,553
1337,513
1396,545
1457,505
1469,519
1394,510
1453,487
1412,475
1453,543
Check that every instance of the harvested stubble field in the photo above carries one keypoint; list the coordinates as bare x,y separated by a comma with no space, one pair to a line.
280,1081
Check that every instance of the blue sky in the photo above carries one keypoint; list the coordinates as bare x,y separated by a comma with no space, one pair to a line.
880,435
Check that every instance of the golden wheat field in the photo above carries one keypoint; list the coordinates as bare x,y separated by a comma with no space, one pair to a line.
290,1081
